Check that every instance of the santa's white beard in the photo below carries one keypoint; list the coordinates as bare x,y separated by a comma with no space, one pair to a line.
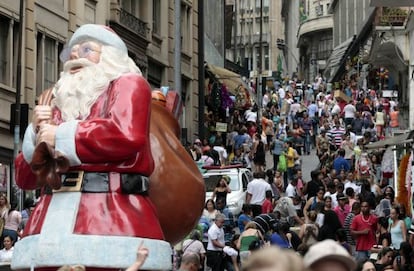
76,93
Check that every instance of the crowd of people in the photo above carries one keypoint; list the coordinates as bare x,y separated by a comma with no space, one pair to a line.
348,198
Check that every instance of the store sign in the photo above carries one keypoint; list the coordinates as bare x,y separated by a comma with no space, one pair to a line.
221,127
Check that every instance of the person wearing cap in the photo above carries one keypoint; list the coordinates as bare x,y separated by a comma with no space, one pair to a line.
342,209
329,255
95,120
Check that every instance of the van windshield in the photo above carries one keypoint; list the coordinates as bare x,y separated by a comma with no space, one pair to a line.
212,180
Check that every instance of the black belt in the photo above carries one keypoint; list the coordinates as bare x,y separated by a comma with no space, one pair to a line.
103,182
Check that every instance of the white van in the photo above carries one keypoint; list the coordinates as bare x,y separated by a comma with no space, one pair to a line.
239,178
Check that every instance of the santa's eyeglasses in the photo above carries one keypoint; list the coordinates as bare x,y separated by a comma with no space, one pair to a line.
82,50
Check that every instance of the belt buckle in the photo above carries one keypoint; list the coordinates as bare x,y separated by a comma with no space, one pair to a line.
71,182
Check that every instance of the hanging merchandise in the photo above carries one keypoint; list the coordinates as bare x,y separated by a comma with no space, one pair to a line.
408,179
243,100
215,97
387,163
402,197
226,101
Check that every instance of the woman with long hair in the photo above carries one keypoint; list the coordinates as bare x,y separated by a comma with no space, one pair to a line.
397,228
12,222
221,190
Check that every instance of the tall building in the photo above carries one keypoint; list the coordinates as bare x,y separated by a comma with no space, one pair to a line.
146,26
314,37
256,27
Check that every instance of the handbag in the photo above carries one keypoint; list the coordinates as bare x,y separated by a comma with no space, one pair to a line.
282,164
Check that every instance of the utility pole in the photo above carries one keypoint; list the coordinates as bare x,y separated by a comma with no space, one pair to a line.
260,66
201,134
17,113
177,51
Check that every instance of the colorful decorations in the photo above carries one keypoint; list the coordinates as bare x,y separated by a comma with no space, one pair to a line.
403,194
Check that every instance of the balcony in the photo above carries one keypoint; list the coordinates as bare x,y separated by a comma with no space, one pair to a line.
393,17
130,22
265,38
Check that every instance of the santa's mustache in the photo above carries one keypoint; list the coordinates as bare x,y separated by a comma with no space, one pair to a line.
77,63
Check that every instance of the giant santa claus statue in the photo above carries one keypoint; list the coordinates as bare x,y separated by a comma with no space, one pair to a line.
112,172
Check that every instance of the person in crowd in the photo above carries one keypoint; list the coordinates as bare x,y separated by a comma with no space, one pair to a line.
216,244
278,149
267,206
313,201
210,211
281,236
309,231
383,236
274,258
385,258
343,209
340,163
13,220
256,192
245,217
403,260
397,228
363,228
313,187
194,245
329,255
276,183
258,153
286,209
404,216
222,189
247,237
291,156
190,262
368,266
355,210
232,259
6,253
340,236
330,225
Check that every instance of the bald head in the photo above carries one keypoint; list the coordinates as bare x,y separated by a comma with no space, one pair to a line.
190,262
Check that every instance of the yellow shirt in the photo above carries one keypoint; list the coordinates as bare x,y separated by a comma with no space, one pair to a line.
290,157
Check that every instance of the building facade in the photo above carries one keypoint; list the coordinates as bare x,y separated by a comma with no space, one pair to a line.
146,26
315,40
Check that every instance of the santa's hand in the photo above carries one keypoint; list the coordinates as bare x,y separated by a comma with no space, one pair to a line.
41,114
47,133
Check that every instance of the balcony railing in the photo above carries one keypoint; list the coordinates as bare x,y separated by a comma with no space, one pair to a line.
133,23
393,17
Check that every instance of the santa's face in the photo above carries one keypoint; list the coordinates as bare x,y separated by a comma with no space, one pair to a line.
84,78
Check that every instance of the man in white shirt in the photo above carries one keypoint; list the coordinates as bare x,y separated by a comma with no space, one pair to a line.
349,182
291,190
216,243
349,112
256,192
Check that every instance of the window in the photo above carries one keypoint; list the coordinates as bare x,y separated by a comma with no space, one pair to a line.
186,28
156,17
90,11
325,47
48,64
9,35
131,6
319,10
266,58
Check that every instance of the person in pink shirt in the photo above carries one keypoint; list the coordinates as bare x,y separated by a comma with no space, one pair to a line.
342,209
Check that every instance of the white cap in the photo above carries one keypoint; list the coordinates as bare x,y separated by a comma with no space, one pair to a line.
329,250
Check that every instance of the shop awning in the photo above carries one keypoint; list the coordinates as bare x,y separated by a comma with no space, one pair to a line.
228,78
336,59
392,141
